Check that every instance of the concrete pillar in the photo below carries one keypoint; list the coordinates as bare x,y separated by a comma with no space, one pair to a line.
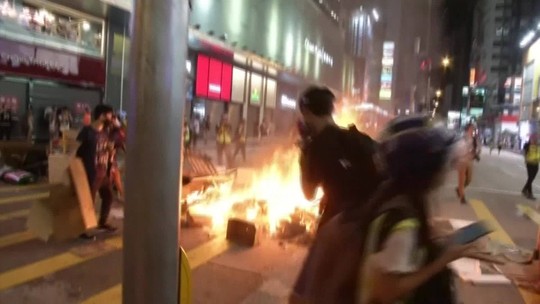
155,113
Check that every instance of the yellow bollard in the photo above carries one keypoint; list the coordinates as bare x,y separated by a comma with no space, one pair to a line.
185,278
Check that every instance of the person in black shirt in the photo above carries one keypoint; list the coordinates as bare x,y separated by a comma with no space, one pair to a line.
95,153
341,161
6,122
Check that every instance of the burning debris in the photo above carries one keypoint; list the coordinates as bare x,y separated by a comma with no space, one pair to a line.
270,203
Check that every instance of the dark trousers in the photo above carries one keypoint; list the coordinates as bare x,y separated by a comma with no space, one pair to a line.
102,185
224,149
240,148
5,132
532,170
194,139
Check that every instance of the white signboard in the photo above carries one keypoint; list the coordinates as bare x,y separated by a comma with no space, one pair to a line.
319,52
288,102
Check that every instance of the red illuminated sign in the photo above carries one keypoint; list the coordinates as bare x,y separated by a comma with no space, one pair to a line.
214,79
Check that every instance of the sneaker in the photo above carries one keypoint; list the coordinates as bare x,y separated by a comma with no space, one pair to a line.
107,228
525,193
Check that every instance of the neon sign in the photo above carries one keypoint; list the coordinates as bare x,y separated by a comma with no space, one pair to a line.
385,92
214,79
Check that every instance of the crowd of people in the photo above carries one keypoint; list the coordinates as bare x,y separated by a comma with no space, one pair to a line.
230,142
374,242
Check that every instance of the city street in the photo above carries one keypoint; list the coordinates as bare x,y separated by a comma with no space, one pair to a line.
32,271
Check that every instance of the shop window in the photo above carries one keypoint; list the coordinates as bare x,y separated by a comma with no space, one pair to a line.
54,27
256,86
271,93
238,85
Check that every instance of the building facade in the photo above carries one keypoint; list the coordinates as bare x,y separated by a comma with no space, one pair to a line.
530,100
497,67
496,55
55,55
274,49
75,54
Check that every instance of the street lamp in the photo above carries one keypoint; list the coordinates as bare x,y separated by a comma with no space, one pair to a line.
446,62
438,93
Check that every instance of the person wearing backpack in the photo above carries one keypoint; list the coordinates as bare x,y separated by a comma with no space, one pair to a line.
338,160
386,252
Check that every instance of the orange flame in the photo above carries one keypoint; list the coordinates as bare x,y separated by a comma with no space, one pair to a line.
277,185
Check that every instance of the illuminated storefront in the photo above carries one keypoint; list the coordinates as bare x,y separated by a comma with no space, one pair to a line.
312,47
50,57
241,88
530,93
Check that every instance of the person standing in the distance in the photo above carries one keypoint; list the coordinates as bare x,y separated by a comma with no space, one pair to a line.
195,131
465,168
224,139
6,122
187,137
341,161
30,124
64,121
206,127
531,152
95,152
87,117
240,140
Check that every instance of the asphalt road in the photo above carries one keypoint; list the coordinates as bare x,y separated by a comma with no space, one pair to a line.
32,271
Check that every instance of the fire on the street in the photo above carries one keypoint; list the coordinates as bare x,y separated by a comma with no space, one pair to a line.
272,199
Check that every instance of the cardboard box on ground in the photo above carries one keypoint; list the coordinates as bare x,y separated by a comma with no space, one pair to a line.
69,210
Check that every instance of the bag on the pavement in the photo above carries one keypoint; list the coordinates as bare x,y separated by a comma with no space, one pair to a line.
18,177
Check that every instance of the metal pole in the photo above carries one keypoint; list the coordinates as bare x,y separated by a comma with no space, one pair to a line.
155,109
123,70
428,50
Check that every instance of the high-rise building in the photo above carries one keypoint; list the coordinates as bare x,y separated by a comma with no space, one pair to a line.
496,59
364,41
412,28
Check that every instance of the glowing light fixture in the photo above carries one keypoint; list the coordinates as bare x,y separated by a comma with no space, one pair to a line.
85,26
527,39
446,61
376,15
